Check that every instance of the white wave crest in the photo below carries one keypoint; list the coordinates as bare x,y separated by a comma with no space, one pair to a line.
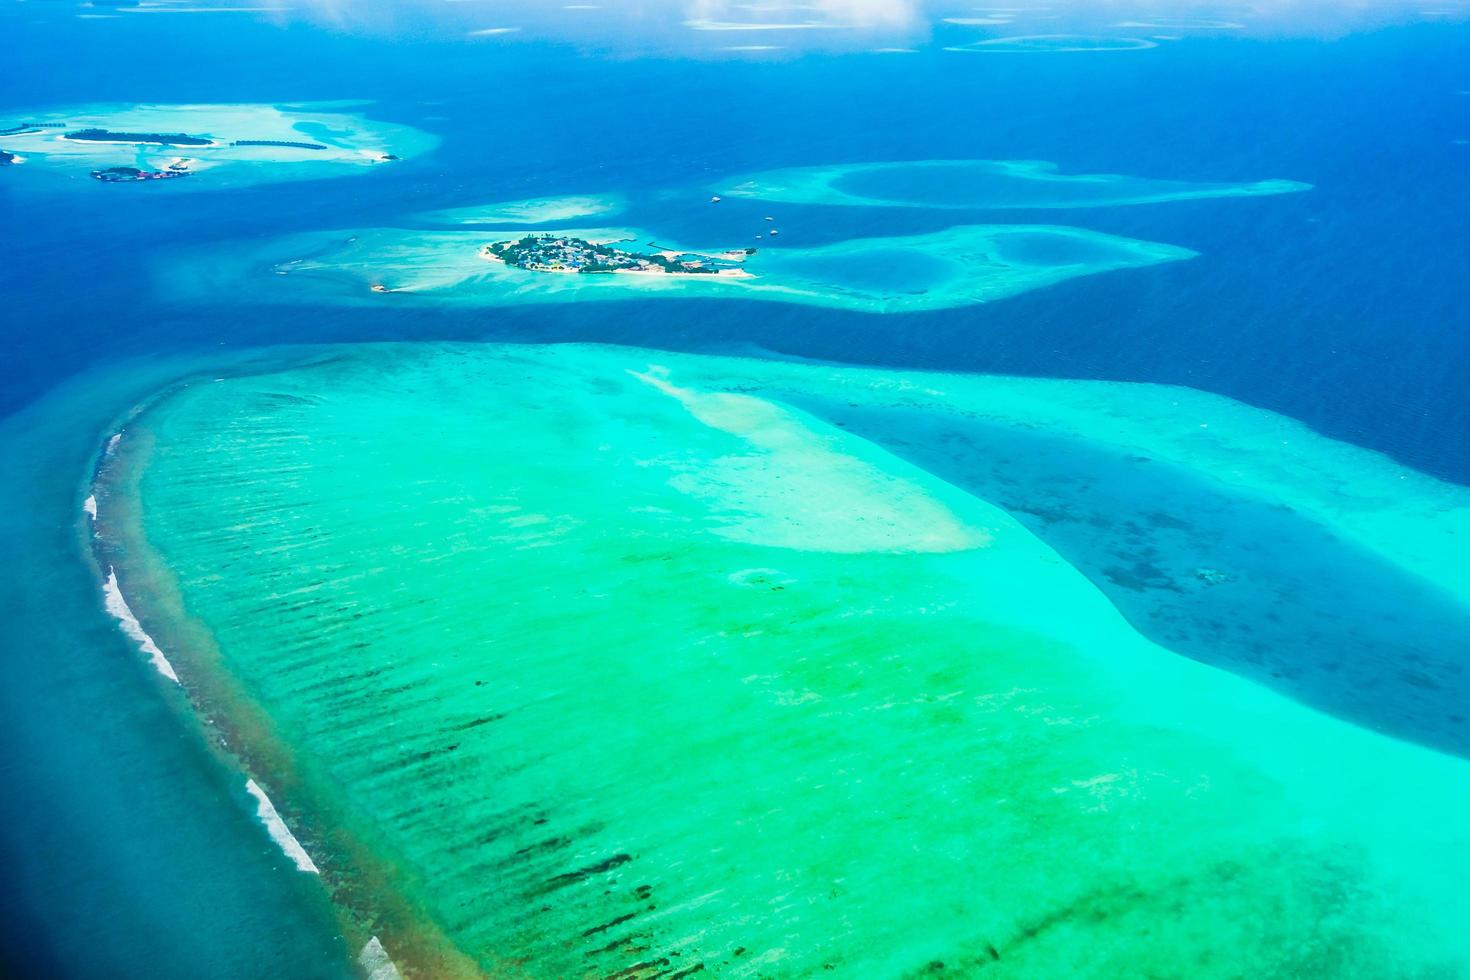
375,962
280,833
118,607
89,506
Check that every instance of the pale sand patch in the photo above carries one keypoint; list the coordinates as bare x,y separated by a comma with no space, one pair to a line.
1407,517
796,487
535,210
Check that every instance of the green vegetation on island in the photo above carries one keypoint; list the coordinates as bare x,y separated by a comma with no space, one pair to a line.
229,145
125,175
162,139
960,266
564,253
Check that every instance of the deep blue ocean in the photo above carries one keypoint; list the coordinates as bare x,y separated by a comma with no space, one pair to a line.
1344,307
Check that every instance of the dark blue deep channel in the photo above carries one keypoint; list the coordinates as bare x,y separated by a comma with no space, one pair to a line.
1214,573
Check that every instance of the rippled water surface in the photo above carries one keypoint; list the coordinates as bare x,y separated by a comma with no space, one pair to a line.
1079,598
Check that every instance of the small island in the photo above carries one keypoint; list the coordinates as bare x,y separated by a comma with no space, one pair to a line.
160,139
564,253
226,145
123,175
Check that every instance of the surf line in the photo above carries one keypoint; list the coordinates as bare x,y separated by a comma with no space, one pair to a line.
373,958
376,963
118,607
265,809
280,833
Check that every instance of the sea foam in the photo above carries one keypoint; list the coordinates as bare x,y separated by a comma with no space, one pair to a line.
118,607
375,962
280,833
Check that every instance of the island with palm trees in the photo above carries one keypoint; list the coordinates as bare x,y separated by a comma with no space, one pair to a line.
565,253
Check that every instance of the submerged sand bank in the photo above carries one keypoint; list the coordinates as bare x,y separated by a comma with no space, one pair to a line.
987,184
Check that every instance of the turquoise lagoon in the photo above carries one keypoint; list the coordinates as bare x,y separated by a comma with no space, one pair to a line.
438,659
248,143
530,211
979,184
429,652
953,267
956,267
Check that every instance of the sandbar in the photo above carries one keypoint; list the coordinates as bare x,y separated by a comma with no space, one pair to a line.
535,211
977,184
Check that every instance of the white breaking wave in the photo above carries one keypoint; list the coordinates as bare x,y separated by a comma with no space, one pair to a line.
280,833
375,962
112,444
118,607
89,506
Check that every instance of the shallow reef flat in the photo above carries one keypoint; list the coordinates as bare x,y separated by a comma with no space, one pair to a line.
952,268
980,184
230,145
1211,570
642,666
1413,520
530,211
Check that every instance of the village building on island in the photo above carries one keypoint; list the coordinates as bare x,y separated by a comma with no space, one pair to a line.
563,253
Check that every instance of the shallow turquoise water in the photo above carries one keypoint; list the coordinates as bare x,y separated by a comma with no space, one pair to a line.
1214,573
147,838
1048,250
889,270
129,850
768,701
976,187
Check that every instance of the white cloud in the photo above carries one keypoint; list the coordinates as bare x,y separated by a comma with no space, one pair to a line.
710,15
